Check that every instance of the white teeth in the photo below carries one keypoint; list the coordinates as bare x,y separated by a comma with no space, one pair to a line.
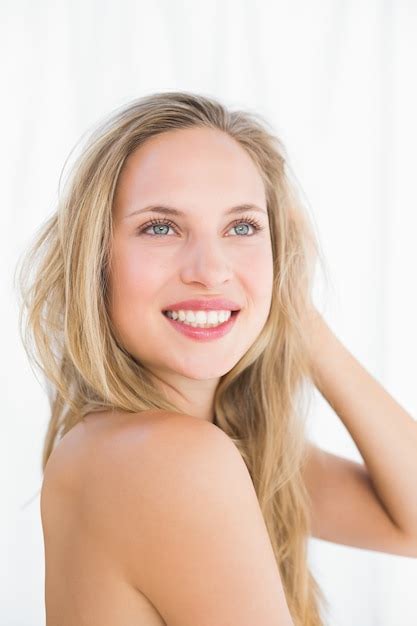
200,319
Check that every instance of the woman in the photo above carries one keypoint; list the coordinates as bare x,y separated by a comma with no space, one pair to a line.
171,314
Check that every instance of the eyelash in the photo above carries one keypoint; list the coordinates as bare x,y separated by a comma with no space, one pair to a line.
244,220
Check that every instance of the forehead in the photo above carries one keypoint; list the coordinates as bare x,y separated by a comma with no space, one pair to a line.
187,166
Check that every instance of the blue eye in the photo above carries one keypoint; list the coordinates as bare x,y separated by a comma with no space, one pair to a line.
165,222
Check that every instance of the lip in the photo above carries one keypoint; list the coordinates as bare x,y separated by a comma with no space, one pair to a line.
204,334
213,304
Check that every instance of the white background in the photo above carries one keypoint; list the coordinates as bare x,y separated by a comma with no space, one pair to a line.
337,79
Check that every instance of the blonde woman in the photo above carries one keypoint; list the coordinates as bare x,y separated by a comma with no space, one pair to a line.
168,303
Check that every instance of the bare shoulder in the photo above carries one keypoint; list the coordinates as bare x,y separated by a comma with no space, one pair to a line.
176,503
116,464
152,449
97,431
88,450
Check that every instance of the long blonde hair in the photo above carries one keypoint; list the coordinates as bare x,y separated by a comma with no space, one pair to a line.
260,403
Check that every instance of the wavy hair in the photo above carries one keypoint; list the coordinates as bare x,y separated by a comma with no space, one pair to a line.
261,402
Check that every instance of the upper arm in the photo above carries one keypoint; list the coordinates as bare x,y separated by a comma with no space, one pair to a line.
190,529
345,507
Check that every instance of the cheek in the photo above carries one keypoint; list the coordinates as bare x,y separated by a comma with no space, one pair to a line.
135,281
257,274
135,296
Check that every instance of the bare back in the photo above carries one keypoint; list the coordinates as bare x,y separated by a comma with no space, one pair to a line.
120,515
84,585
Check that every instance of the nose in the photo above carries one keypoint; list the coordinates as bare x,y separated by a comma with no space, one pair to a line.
207,264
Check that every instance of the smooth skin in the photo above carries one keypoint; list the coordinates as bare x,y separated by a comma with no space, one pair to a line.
205,252
152,518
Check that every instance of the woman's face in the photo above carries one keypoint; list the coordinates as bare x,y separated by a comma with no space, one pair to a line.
204,252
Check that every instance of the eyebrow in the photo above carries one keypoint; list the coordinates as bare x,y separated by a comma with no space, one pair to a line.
167,210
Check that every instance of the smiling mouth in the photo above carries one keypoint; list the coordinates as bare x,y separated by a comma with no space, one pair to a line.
233,313
197,325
